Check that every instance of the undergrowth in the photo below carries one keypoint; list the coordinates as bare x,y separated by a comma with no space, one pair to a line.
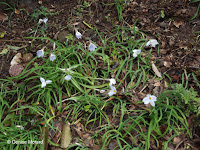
26,108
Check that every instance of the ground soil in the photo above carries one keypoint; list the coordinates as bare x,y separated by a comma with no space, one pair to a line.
178,35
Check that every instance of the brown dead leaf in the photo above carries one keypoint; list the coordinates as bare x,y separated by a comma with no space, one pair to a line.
113,145
163,51
44,136
178,23
79,129
167,64
177,140
165,84
157,83
175,77
95,147
17,11
3,17
56,134
66,136
154,68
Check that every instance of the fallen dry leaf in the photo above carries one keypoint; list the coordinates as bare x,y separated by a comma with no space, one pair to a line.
17,11
178,23
176,140
165,84
44,135
66,136
154,68
113,144
157,83
3,17
167,64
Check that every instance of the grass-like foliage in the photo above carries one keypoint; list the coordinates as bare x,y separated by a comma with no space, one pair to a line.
27,108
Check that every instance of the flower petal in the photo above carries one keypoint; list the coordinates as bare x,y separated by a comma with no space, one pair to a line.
153,98
68,77
112,81
152,103
78,35
110,93
48,81
52,57
152,43
40,53
43,20
43,84
92,47
136,52
113,88
42,79
146,100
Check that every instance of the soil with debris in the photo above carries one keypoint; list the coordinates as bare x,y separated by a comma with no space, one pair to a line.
167,21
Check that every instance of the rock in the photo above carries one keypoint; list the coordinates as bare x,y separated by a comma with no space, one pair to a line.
16,70
16,59
27,57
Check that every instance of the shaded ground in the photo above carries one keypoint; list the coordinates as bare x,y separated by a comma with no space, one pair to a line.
179,52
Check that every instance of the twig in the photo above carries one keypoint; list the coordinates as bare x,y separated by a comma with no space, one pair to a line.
180,143
16,41
139,105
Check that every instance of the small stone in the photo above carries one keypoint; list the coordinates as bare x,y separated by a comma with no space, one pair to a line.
16,59
27,57
15,70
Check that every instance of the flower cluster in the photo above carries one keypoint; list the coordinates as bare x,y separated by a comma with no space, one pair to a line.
150,43
40,53
45,82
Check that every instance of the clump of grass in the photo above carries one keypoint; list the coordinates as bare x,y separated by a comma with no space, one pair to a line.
119,5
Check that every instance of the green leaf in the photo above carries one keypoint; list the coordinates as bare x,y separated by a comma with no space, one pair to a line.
4,51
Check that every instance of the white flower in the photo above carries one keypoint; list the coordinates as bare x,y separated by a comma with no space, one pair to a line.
19,126
78,35
150,99
43,20
112,91
40,53
44,83
136,52
152,43
68,77
112,81
92,47
52,57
